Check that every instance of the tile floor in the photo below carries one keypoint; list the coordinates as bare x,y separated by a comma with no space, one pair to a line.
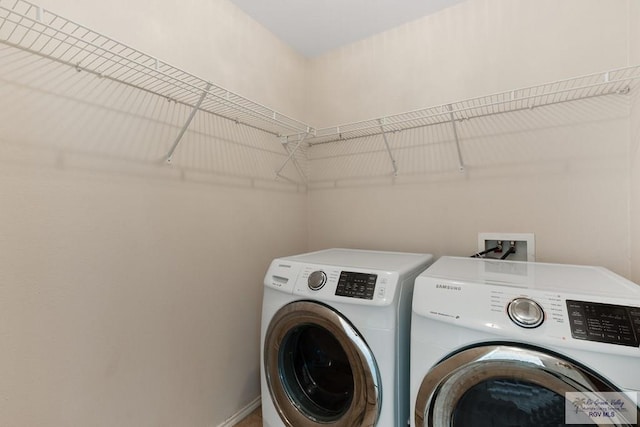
253,420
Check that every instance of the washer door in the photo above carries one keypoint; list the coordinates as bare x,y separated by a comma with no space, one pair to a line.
503,385
319,370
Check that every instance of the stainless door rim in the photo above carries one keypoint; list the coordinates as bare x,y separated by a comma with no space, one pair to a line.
445,384
367,395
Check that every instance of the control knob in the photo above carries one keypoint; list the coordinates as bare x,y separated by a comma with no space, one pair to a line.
526,313
316,280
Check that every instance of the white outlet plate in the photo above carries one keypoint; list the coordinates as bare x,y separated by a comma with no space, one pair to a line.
525,242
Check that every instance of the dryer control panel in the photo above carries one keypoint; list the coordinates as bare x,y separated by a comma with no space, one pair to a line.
607,323
356,285
349,285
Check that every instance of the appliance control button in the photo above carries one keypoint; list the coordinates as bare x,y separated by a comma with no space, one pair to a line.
525,312
316,280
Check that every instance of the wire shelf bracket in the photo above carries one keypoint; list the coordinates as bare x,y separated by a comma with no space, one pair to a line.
292,159
455,136
187,123
386,144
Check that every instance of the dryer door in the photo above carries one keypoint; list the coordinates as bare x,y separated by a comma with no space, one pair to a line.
319,370
507,385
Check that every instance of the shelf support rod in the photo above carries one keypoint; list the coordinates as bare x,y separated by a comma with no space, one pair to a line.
386,144
455,135
187,123
291,158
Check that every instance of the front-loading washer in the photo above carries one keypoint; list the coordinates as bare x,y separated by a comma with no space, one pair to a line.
335,338
506,343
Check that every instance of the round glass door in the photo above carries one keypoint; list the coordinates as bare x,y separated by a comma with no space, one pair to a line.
506,402
319,369
506,385
316,372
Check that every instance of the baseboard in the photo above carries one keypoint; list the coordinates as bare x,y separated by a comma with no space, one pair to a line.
242,413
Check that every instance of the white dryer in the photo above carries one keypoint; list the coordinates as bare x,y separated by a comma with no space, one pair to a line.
335,338
504,343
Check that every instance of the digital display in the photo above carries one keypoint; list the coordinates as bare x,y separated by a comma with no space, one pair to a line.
608,323
356,285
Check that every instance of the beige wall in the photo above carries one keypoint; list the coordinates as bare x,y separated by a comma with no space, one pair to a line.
559,172
131,301
130,290
634,58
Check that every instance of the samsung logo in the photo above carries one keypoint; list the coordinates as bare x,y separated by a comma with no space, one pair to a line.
448,287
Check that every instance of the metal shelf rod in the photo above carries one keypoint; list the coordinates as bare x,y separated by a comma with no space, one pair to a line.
147,90
120,62
445,115
479,116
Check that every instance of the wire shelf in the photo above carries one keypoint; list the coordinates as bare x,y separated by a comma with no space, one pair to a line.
615,82
34,30
26,26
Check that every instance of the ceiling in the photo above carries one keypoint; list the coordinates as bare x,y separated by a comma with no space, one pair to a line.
313,27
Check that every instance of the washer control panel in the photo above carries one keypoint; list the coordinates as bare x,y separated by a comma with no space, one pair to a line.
356,285
607,323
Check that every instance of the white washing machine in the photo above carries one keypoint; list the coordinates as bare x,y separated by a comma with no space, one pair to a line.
335,338
504,343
